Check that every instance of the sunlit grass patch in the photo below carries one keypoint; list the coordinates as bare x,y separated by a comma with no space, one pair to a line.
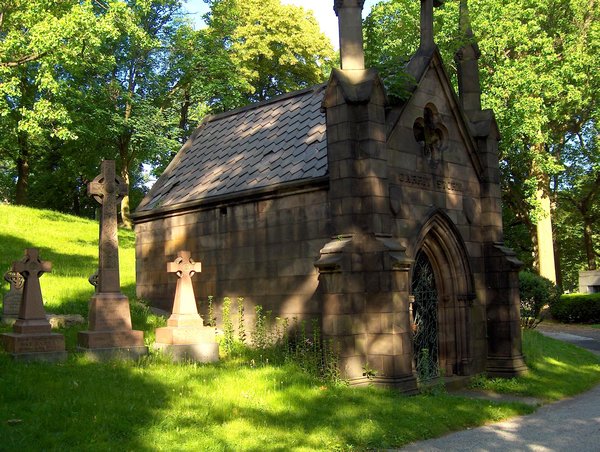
71,244
556,370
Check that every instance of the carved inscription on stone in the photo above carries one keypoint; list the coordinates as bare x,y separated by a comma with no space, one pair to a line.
429,182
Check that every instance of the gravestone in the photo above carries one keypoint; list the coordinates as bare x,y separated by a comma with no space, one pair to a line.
185,337
12,299
32,338
110,332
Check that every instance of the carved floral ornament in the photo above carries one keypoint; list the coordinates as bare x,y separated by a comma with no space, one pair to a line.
14,279
432,135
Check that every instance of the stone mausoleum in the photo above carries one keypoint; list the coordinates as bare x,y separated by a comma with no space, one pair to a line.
381,218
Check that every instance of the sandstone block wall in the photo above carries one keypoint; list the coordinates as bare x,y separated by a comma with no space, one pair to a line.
262,250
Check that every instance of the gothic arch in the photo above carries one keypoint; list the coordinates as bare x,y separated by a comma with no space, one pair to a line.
442,243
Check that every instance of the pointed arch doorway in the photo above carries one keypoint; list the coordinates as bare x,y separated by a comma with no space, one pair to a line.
441,296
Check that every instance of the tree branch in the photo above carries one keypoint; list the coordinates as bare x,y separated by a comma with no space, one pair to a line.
23,60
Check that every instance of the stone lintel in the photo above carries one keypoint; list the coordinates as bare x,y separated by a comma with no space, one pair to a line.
406,385
46,357
509,255
185,320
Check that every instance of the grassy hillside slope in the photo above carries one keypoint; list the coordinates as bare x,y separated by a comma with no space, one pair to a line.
71,244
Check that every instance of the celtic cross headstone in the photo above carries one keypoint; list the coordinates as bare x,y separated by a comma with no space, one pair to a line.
185,311
185,337
110,331
32,337
11,302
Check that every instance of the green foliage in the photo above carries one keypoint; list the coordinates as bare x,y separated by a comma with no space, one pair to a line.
577,308
277,342
536,293
212,320
241,321
274,48
228,340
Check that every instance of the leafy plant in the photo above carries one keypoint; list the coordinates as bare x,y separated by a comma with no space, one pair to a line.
577,308
212,320
241,321
536,293
228,340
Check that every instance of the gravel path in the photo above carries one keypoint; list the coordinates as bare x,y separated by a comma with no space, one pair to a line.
571,425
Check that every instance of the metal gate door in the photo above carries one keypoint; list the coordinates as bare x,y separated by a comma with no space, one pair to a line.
424,310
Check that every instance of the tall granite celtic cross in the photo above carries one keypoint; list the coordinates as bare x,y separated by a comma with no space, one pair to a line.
108,189
110,331
185,311
32,316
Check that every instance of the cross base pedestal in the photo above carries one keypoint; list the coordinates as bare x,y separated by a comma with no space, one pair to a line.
201,353
185,320
188,343
32,326
109,311
35,347
110,339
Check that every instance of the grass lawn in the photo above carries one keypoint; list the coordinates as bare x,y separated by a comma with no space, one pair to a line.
71,244
556,370
237,404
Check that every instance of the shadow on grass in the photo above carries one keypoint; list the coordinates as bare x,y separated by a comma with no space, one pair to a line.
155,405
76,406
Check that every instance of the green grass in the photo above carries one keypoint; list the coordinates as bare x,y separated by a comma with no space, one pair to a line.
556,370
237,404
71,244
155,405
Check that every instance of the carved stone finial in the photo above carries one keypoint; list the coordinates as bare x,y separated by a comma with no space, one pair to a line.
427,39
337,4
352,54
466,62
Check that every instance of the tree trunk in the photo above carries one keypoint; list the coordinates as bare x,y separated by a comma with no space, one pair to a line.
589,245
125,211
545,243
22,188
184,114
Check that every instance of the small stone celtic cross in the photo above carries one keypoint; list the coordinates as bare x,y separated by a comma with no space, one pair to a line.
107,184
31,265
184,265
32,268
15,280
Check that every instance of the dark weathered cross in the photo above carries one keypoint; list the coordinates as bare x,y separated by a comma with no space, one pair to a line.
108,189
184,303
32,268
427,41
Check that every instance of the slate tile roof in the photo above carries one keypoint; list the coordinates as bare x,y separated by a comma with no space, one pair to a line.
269,143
